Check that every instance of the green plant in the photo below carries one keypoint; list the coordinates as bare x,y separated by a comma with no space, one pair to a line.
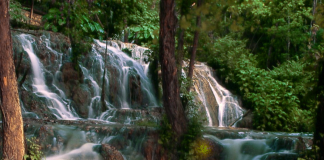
16,11
280,98
127,51
33,150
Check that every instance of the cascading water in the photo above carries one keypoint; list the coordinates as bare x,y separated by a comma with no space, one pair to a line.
129,99
220,105
128,67
55,102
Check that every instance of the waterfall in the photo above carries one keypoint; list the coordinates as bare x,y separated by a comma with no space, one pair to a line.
55,102
132,114
126,83
221,107
128,66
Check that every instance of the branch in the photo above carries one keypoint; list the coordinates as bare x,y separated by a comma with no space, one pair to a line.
244,115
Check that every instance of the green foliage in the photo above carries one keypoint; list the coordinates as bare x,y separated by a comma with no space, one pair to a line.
33,150
127,51
72,19
144,23
277,30
276,96
16,11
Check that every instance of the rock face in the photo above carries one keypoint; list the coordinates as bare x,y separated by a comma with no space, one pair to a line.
110,153
77,88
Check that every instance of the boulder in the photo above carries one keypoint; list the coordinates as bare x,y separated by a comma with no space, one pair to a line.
110,153
246,122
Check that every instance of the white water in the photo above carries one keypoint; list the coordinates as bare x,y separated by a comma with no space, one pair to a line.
79,148
84,152
228,107
123,61
55,102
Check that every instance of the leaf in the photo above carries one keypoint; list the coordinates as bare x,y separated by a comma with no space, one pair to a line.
98,27
84,28
54,11
146,34
136,29
131,34
152,35
92,27
54,28
61,22
46,26
85,18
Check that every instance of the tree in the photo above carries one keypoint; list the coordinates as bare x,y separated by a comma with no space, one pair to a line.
184,10
195,44
13,135
319,130
171,96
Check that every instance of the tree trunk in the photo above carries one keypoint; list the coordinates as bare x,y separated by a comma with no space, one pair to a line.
319,129
31,12
180,54
194,48
103,93
171,96
125,32
13,135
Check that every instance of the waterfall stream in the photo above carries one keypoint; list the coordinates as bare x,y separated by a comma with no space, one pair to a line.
55,102
222,108
72,119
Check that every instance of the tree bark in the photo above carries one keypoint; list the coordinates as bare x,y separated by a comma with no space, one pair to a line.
13,135
31,12
125,32
180,54
194,48
319,129
171,93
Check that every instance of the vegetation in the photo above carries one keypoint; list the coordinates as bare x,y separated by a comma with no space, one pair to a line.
33,150
269,52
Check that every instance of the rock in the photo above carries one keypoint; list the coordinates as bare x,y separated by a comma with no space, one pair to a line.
48,78
135,91
214,152
81,98
70,75
35,104
75,89
246,122
110,153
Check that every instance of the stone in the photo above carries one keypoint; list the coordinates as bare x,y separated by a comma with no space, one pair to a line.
110,153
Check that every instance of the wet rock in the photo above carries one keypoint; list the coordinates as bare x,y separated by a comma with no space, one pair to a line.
81,99
46,135
215,150
48,78
70,75
135,91
246,122
280,156
114,90
35,104
110,153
